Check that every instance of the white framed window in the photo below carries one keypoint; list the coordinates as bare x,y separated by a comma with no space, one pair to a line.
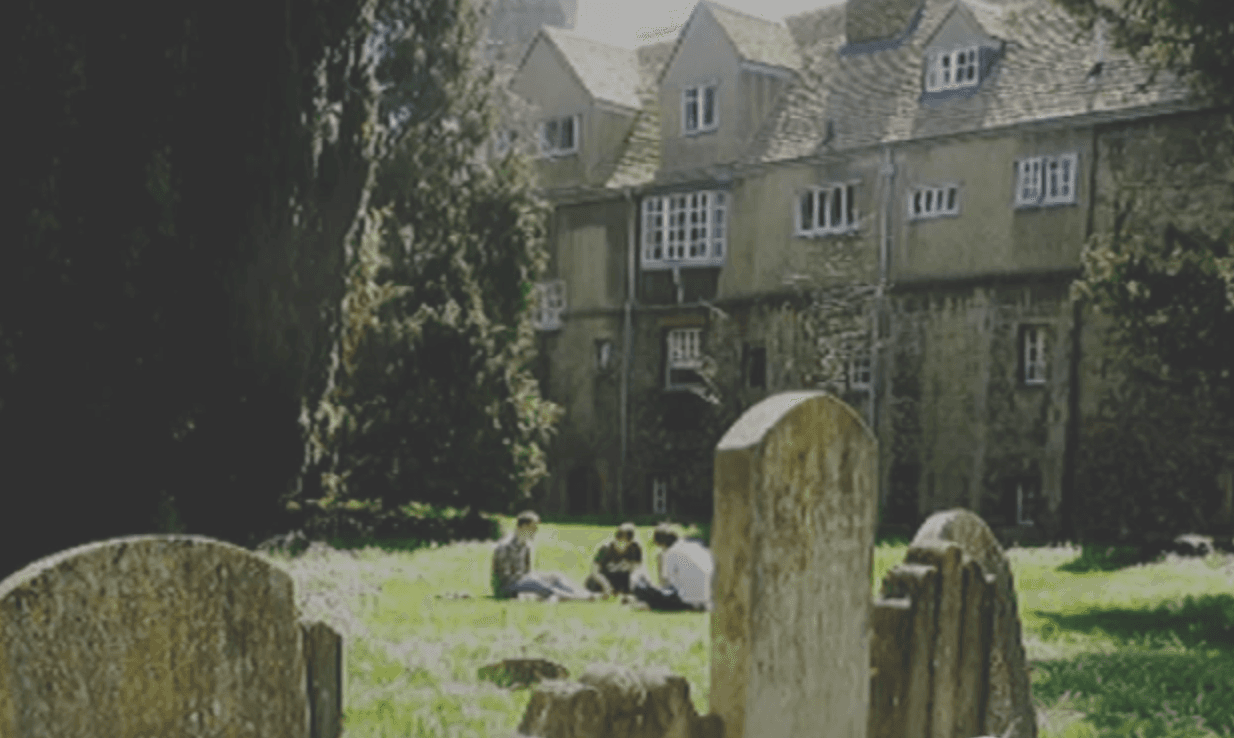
932,202
550,303
1021,506
559,136
1033,359
1028,181
827,210
698,109
860,373
952,70
684,229
659,497
684,347
1046,180
604,354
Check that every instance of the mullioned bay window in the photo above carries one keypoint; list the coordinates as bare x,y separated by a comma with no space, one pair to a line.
684,229
827,210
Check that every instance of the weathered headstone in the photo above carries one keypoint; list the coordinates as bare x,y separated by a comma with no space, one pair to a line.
161,635
795,502
323,661
947,639
610,701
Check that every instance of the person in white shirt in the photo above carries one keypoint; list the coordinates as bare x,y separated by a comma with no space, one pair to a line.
685,574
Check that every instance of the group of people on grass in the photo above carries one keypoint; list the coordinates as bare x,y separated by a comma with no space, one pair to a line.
617,569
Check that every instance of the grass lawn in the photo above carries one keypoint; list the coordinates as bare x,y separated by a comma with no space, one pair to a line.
1144,651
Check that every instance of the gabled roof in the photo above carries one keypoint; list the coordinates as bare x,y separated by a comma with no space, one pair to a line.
608,73
1043,73
756,39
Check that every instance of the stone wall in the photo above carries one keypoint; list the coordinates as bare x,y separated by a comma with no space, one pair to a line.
962,427
162,635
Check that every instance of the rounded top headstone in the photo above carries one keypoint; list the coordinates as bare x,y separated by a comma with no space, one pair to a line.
752,427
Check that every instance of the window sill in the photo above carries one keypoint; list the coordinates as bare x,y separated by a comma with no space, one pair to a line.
693,389
953,88
700,132
828,234
932,216
558,155
1041,205
653,266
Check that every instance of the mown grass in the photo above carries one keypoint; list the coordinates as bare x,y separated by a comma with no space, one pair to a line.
1144,651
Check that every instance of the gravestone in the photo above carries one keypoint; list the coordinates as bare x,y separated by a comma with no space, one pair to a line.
1009,701
793,533
947,659
611,701
162,635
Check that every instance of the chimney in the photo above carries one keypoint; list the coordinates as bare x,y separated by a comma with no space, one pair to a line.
870,21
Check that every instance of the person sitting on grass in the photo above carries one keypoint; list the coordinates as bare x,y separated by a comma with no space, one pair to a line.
685,574
617,563
512,574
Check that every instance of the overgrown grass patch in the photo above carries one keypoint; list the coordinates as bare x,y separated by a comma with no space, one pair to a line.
1145,650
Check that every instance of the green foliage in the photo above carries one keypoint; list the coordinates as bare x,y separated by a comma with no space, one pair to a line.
1192,38
357,524
182,179
1162,275
432,398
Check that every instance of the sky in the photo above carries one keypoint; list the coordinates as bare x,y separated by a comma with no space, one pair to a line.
631,23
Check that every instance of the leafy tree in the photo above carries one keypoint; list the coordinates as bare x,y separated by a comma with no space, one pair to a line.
182,180
1192,38
1160,271
433,399
1162,276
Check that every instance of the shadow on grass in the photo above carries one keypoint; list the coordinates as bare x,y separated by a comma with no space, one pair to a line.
1140,692
1206,620
1108,558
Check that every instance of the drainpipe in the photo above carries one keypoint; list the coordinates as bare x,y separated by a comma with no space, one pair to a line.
888,170
627,341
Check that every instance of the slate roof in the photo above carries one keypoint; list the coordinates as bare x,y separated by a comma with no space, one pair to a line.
842,101
608,73
640,153
876,97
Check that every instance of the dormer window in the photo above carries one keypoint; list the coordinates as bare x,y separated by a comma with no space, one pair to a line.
698,109
952,70
559,136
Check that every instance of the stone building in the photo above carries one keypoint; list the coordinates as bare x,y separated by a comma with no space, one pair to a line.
924,172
